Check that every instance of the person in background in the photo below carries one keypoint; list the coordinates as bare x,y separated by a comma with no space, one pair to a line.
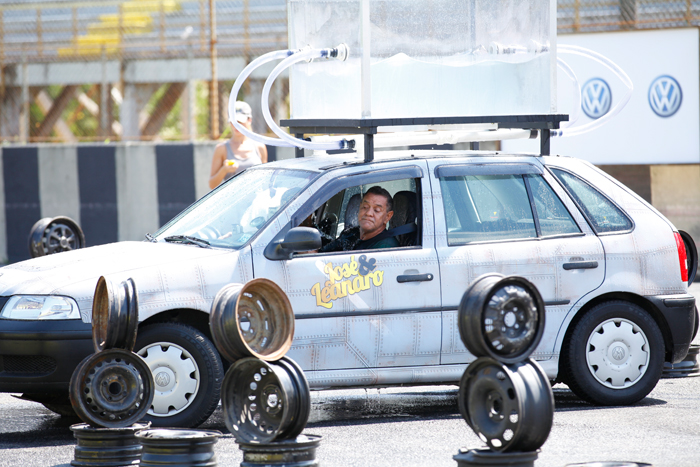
238,153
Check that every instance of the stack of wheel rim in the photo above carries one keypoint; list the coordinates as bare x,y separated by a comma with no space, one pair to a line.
265,395
504,396
113,387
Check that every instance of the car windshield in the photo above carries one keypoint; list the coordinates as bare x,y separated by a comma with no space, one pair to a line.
231,215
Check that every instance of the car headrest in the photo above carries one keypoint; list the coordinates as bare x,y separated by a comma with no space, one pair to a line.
404,209
351,211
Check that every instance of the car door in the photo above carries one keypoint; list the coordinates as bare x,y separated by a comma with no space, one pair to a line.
510,217
362,310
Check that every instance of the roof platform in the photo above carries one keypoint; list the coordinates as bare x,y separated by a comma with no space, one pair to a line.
541,123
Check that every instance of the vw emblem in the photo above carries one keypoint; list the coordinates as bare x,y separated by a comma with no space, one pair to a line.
665,96
162,379
596,98
618,353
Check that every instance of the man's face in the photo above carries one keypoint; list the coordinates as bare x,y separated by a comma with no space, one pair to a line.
373,215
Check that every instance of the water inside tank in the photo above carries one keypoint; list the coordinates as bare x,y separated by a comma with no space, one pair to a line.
427,58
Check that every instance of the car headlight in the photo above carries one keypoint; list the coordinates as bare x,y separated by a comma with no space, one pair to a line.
40,307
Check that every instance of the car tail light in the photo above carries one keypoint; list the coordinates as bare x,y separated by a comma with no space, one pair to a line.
682,256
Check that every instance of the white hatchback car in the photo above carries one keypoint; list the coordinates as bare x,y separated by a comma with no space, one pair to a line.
612,270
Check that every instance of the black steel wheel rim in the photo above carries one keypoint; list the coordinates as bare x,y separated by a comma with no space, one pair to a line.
501,317
301,418
113,388
115,315
259,400
510,407
53,235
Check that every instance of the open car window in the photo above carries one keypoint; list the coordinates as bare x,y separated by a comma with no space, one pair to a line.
339,212
231,215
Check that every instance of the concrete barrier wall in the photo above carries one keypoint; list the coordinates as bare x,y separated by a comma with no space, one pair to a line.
119,192
113,191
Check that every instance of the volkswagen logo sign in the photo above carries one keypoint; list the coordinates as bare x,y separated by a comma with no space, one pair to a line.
162,379
665,96
596,98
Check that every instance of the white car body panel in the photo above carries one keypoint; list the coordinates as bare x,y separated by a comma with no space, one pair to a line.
380,331
168,276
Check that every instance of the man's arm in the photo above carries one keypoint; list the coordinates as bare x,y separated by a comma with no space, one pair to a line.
345,241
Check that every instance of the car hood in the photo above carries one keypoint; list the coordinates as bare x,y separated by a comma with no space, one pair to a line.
163,273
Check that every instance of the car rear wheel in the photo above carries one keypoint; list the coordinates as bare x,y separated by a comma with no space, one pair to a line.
187,371
615,354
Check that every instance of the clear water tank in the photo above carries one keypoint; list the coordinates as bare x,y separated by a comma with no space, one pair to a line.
424,58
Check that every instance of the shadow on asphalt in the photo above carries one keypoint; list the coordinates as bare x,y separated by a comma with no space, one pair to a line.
566,401
38,427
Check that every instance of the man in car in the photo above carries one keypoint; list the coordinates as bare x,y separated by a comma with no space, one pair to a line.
375,211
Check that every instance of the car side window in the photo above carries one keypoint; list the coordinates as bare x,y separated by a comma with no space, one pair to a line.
339,214
553,217
602,213
486,208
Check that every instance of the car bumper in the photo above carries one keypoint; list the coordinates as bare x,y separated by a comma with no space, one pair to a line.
679,313
40,356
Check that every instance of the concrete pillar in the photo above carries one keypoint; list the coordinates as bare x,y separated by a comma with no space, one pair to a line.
59,193
10,111
675,192
137,190
136,96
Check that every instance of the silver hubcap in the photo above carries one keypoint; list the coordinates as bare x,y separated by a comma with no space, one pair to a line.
176,377
617,353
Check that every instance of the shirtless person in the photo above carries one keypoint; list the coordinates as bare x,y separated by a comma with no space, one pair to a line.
375,211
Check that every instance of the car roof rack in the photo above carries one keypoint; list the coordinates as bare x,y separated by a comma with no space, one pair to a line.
369,127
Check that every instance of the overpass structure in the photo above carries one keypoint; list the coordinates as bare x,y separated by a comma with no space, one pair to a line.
79,70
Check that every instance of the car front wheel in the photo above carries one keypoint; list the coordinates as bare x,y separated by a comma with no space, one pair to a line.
615,354
187,372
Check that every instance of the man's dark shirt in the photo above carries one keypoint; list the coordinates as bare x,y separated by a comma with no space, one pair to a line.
349,239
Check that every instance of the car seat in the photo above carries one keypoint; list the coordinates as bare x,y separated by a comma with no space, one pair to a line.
405,212
352,210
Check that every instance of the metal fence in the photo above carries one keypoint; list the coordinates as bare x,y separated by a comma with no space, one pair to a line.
611,15
67,67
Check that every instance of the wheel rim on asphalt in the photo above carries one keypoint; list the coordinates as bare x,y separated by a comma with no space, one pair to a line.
510,407
112,389
176,377
617,353
260,401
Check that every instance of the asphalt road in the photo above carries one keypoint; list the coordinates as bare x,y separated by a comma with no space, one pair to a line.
421,427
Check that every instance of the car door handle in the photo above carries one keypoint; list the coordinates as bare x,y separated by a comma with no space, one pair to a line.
581,265
414,277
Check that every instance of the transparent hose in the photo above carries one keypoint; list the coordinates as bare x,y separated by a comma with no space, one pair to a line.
577,92
612,66
340,53
268,57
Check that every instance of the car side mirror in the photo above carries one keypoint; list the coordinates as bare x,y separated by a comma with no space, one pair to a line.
295,240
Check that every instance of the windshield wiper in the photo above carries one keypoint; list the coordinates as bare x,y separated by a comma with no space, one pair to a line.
151,238
187,239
